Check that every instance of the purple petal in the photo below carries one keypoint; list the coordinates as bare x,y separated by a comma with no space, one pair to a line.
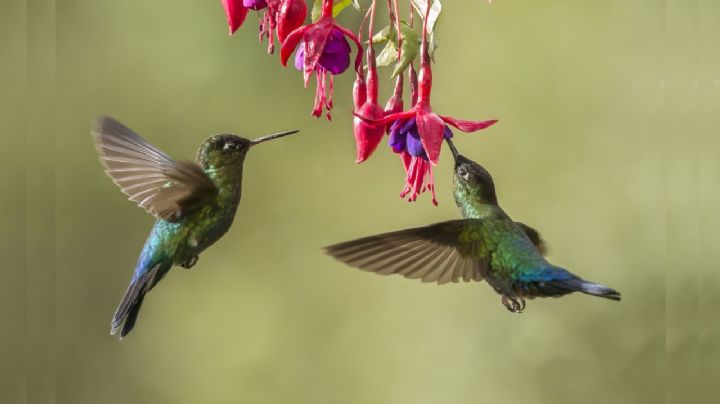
395,125
335,56
255,4
447,133
414,146
300,57
336,43
397,138
409,127
335,63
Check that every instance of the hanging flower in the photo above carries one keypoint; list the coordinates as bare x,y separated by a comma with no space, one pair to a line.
281,15
429,124
323,50
419,132
335,57
405,140
368,135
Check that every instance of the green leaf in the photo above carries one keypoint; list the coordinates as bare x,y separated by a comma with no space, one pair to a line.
341,5
388,55
316,11
409,48
338,6
435,9
432,46
384,35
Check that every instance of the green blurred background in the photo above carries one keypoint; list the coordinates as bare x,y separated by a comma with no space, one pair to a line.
606,143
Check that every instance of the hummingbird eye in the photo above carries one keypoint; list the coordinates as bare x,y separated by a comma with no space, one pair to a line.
230,146
463,172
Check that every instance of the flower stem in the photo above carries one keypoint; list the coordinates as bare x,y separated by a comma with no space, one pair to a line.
397,28
372,78
412,74
425,75
327,10
411,19
371,23
425,57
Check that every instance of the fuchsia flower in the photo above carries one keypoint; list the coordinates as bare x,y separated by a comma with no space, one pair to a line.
429,124
335,58
323,50
419,132
280,15
405,140
367,135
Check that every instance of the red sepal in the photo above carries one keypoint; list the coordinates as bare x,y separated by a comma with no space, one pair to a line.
468,126
291,15
235,12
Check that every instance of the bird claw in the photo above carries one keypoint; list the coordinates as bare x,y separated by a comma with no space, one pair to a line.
512,304
189,263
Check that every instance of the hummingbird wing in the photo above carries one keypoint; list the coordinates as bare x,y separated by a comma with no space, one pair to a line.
155,181
534,236
443,252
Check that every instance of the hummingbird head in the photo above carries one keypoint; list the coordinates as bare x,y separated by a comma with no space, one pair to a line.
223,149
472,181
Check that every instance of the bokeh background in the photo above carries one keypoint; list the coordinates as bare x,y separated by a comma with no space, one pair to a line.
606,143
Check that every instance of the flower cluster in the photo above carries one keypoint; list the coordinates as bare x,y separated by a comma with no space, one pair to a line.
283,16
323,49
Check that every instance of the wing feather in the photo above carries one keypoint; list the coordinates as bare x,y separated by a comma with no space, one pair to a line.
429,253
162,186
534,236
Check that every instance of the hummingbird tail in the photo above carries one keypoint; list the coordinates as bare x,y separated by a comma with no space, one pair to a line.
129,322
583,286
127,312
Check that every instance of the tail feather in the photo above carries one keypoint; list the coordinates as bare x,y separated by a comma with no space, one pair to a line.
131,318
127,312
589,288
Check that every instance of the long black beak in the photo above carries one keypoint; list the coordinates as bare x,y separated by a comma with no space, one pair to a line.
271,137
454,151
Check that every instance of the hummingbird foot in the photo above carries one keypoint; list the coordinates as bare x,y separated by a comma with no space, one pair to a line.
190,262
513,304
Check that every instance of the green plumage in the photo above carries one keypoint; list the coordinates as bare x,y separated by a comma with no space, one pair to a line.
194,202
487,244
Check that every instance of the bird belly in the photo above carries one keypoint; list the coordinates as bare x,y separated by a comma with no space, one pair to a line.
202,232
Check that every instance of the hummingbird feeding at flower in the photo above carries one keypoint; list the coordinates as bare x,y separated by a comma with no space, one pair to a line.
486,244
194,202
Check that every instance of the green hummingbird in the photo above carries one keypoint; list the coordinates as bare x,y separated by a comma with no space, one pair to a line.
487,244
194,202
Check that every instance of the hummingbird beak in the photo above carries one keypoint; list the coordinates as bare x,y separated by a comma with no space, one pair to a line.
271,137
454,151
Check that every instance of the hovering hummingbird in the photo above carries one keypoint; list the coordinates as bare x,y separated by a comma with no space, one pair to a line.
487,244
194,202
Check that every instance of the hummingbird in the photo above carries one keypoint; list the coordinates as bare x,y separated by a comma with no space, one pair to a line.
194,202
485,245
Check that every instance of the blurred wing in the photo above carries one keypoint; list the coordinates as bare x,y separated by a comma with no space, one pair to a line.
443,252
534,236
162,186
